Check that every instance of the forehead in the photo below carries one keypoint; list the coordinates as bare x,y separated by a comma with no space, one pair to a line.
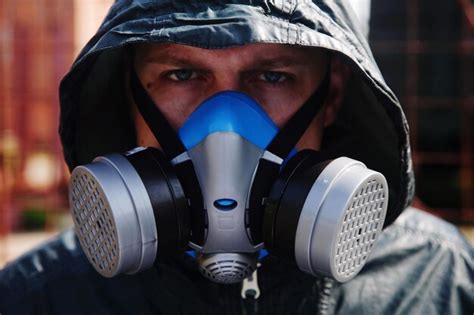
277,55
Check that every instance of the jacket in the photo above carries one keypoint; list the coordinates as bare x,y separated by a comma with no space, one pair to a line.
420,265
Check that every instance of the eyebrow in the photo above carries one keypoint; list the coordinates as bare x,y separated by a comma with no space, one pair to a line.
279,61
171,60
264,62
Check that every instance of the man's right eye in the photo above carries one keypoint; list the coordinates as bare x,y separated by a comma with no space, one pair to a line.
182,74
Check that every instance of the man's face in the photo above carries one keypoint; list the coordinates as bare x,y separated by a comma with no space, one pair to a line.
279,77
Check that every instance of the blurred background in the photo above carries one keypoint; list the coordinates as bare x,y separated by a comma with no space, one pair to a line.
424,48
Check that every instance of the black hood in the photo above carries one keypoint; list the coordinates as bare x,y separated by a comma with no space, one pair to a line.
371,126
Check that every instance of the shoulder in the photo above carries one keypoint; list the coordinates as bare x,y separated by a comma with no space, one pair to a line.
56,278
420,265
57,256
421,225
419,233
42,267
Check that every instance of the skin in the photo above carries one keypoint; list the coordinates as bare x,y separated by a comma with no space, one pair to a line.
279,77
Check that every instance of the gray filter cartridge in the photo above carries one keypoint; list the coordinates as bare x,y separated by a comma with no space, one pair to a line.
341,218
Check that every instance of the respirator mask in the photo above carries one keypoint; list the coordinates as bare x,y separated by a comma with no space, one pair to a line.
227,185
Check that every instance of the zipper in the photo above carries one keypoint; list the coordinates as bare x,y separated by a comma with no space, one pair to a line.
250,293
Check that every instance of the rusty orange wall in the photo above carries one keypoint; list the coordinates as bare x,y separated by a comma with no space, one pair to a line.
36,50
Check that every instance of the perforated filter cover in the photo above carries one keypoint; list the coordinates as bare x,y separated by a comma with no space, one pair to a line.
94,224
360,227
341,219
113,216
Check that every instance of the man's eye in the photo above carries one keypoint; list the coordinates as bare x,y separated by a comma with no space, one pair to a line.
273,76
182,75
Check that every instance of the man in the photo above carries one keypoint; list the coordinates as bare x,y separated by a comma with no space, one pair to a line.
278,53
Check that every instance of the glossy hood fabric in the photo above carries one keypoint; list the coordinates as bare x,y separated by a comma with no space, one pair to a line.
371,126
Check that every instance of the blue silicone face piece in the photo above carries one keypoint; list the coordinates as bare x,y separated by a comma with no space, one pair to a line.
228,111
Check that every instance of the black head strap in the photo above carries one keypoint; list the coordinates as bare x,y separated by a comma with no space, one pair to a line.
172,147
160,127
281,146
293,130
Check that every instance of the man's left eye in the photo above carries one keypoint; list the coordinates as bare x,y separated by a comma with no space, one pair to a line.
182,75
273,76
